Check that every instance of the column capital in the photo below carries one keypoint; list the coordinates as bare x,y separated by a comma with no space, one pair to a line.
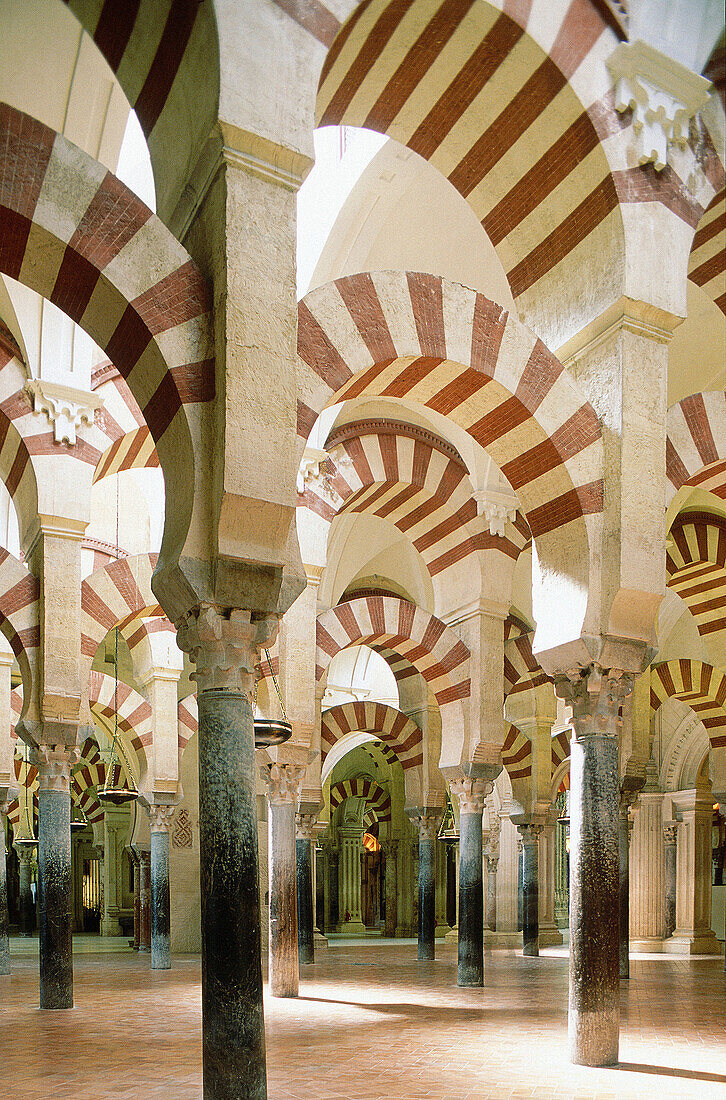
160,816
224,643
26,852
54,763
529,833
284,782
670,833
472,794
427,822
305,826
389,848
595,695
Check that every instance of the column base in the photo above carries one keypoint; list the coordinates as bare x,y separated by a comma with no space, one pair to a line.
111,927
652,945
441,931
453,936
692,943
319,941
351,928
550,935
511,940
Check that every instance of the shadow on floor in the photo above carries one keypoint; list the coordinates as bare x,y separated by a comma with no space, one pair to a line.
433,1012
668,1071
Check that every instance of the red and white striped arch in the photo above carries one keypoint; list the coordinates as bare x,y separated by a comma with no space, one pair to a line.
522,671
696,444
130,443
108,699
117,595
74,233
517,755
20,622
696,570
88,776
699,685
413,479
370,792
560,763
707,262
393,727
513,103
16,465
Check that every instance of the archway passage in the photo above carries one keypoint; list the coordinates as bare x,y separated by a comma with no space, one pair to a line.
696,569
700,686
71,231
399,732
707,262
370,792
696,443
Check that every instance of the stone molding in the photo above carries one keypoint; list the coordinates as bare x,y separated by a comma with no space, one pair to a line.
595,695
305,826
65,407
356,428
284,783
160,816
224,644
663,95
54,763
472,794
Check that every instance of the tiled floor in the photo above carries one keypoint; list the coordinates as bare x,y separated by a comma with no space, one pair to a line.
371,1022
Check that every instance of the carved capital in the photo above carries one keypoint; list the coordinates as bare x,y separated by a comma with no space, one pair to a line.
160,817
284,782
529,834
66,407
471,793
305,826
670,833
427,822
54,763
595,695
224,643
26,852
498,509
390,848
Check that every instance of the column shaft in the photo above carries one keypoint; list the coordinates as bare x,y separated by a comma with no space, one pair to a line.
624,887
426,895
492,894
670,880
233,1032
137,902
594,1008
27,908
55,891
530,894
283,961
144,901
333,890
4,920
160,905
391,873
470,969
306,950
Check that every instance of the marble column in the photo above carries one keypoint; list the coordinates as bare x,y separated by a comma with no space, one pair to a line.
693,934
304,825
333,917
225,644
115,827
26,854
471,794
427,822
549,933
625,830
160,820
144,901
492,852
595,695
55,888
647,883
4,919
530,888
562,878
283,791
520,884
390,851
137,901
319,875
670,838
349,881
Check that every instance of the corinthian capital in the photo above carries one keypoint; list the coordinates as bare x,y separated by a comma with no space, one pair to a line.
224,643
305,826
54,764
284,782
595,695
427,822
471,793
160,817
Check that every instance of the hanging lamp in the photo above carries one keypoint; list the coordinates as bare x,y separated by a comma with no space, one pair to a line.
272,731
113,791
448,833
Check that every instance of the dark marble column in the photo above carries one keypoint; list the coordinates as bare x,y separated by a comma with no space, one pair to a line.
319,872
333,889
144,901
670,838
625,829
4,919
137,901
530,888
283,791
26,853
427,822
594,1003
492,851
304,824
390,852
160,817
471,794
55,887
520,884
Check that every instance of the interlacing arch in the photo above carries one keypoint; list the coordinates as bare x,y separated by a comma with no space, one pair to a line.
71,231
368,790
415,480
700,686
433,343
393,727
20,621
522,671
485,93
696,571
16,466
696,444
116,595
